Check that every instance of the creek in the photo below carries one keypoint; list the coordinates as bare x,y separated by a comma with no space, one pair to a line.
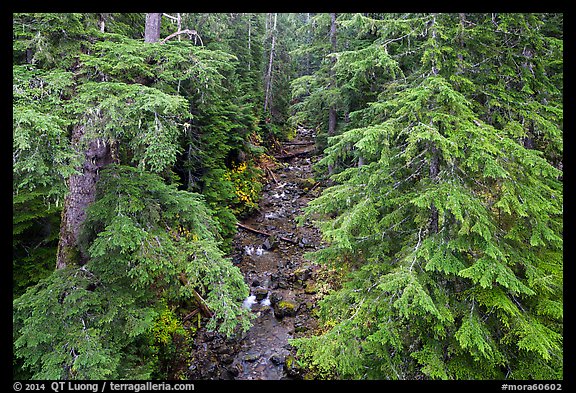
269,250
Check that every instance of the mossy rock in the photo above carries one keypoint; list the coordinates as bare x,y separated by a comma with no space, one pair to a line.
310,288
285,308
292,368
303,273
308,182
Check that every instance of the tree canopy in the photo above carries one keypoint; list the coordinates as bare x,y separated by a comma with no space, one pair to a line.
446,208
134,156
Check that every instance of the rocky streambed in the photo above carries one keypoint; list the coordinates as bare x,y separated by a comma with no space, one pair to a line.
269,250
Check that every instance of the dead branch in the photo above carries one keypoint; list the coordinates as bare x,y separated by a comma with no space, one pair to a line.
299,143
170,16
194,312
272,175
190,33
313,187
201,302
264,233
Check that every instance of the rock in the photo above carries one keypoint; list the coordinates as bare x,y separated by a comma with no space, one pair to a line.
237,259
251,357
209,336
277,359
303,273
261,293
275,297
310,288
271,243
235,369
285,308
292,368
282,284
307,182
226,358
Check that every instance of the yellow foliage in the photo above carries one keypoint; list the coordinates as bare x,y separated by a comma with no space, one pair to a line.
166,326
247,186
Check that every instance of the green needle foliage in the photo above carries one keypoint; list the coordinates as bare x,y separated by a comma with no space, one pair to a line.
155,252
443,215
446,212
146,241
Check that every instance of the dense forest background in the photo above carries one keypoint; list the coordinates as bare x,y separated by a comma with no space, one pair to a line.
139,141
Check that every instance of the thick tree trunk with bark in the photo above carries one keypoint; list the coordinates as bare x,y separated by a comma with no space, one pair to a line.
82,187
152,29
268,95
81,193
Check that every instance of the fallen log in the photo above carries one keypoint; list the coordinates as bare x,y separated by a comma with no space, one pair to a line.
264,233
299,143
202,303
294,154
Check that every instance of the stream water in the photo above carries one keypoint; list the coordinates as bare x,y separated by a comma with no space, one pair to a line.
280,278
269,250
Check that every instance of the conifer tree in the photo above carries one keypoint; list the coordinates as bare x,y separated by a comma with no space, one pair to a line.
109,109
451,231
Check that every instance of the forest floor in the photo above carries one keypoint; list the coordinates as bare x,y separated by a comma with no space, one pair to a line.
270,249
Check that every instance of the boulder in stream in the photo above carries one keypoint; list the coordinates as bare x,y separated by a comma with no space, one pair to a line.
275,297
285,308
260,292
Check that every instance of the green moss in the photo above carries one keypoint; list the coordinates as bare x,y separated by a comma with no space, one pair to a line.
285,308
310,288
285,305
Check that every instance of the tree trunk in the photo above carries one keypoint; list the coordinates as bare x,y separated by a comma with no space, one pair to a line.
249,41
81,193
332,114
82,186
152,29
102,17
268,96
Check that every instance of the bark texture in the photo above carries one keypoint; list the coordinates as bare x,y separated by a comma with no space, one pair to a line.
152,29
268,95
81,193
